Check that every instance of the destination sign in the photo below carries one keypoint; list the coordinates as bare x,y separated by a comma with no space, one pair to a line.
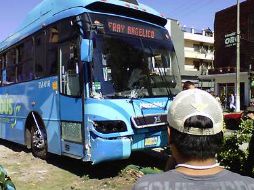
132,29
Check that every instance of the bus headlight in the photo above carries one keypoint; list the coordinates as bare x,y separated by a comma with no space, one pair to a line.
107,127
72,132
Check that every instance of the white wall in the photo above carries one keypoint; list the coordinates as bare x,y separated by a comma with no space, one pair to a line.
198,38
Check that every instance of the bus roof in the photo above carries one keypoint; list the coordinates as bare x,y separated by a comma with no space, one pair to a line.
49,11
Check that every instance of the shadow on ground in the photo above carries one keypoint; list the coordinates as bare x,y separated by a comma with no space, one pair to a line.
102,170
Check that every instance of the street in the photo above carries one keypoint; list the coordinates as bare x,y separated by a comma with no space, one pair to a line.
28,172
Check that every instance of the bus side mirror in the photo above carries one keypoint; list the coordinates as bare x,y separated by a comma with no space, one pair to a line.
86,50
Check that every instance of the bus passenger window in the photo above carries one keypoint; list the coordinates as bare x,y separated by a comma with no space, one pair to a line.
25,61
1,63
53,35
106,62
3,68
11,67
70,84
66,31
40,56
52,50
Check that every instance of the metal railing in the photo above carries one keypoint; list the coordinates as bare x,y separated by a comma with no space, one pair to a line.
205,32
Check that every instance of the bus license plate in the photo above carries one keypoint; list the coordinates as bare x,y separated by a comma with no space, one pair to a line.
151,141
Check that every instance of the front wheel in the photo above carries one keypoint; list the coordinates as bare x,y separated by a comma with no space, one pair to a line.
39,142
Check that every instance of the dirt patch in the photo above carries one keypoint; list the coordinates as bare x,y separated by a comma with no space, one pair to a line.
28,172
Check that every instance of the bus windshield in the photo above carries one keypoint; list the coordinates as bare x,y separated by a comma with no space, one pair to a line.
133,66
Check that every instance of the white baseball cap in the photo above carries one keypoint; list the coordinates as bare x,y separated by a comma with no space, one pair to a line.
194,102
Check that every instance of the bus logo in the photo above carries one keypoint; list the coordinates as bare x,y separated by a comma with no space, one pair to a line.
152,105
157,119
7,107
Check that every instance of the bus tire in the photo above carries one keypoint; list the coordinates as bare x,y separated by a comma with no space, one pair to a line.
39,142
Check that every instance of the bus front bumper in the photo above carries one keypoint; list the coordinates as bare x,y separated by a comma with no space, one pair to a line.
121,148
110,149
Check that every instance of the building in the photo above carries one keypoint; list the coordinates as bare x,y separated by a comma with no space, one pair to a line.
199,56
195,52
224,69
177,37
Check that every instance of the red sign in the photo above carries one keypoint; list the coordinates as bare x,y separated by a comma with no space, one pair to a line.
131,30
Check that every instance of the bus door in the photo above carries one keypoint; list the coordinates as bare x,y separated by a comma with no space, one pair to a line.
70,100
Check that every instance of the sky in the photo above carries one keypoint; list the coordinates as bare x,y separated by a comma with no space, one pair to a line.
191,13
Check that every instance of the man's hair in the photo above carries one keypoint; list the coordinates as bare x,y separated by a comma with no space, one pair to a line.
187,85
197,146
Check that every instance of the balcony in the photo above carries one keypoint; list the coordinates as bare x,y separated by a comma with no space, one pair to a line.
190,68
225,70
199,53
199,69
205,36
205,32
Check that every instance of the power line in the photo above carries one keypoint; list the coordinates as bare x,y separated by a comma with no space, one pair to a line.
183,7
199,6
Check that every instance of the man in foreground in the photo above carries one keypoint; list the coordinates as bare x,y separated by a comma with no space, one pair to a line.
195,136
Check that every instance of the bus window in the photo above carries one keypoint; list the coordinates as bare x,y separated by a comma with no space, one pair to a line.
67,31
1,63
70,83
19,55
11,67
25,61
3,68
39,54
52,49
53,35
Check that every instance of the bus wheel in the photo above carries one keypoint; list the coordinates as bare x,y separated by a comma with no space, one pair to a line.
39,142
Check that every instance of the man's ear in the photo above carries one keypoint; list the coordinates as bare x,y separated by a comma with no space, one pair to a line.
169,136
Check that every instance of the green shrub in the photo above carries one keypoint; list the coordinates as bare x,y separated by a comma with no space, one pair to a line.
135,172
237,153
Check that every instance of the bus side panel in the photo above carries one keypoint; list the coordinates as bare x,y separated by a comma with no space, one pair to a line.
22,99
70,108
54,137
46,99
13,113
14,134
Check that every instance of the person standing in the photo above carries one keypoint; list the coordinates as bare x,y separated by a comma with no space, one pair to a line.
188,85
232,102
195,136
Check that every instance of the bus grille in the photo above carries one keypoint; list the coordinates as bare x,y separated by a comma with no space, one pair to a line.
149,121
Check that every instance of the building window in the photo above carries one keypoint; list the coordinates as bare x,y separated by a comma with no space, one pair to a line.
196,65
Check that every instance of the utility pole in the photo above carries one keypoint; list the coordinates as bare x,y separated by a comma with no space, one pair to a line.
238,59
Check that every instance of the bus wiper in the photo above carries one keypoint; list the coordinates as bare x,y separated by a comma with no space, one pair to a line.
96,95
115,96
169,92
128,94
135,93
163,78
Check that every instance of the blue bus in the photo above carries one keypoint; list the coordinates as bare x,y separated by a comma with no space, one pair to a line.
89,79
